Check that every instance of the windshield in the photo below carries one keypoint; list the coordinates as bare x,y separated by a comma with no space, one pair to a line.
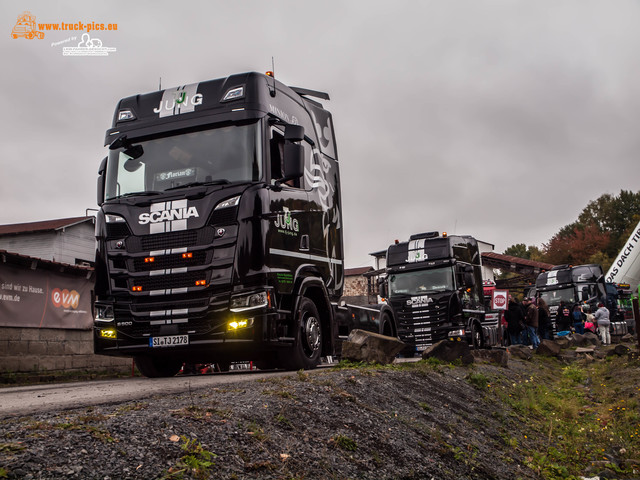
218,155
554,297
421,282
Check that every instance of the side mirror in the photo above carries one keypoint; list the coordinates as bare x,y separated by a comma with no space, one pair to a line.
293,161
382,289
294,133
469,278
100,190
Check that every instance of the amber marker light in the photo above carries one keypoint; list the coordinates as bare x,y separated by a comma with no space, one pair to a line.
149,259
201,283
187,255
136,288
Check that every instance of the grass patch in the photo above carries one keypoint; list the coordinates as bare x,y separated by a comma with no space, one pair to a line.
344,443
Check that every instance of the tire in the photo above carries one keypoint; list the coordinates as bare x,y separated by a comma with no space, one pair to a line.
155,367
477,340
266,364
307,348
224,366
387,327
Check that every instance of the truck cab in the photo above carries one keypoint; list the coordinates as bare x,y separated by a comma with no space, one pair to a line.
578,285
434,287
220,228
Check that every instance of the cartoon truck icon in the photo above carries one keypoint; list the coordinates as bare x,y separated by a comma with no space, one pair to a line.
26,27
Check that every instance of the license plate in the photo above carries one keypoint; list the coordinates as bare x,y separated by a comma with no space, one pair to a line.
171,341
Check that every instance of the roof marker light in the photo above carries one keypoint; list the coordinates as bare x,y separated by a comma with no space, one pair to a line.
126,115
233,94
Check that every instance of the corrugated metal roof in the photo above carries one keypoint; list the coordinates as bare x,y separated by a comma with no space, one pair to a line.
509,259
43,226
348,272
33,262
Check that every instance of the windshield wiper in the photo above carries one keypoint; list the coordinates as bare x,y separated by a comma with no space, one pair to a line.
136,194
221,181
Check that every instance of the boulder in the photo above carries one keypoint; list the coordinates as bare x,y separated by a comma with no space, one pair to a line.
498,356
548,348
449,351
563,342
585,340
520,351
363,346
620,350
627,338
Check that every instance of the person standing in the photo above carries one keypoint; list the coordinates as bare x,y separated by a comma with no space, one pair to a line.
563,319
578,319
515,321
544,320
602,318
531,320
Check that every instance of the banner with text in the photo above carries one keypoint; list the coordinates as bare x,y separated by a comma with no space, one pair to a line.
44,299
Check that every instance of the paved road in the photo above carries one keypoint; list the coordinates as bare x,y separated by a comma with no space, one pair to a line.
15,401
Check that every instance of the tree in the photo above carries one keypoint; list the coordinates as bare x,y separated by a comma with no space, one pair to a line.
613,214
578,247
520,250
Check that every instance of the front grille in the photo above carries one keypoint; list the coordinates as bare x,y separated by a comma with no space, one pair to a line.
165,262
187,238
196,303
421,326
162,282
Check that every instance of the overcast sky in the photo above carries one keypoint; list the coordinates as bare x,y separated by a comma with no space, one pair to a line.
497,119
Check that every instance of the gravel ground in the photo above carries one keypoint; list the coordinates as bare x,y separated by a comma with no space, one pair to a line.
410,422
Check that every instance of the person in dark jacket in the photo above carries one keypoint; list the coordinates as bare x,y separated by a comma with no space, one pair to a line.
578,319
544,321
515,321
531,320
563,318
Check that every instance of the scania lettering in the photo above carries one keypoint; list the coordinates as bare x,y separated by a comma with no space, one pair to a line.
434,286
220,230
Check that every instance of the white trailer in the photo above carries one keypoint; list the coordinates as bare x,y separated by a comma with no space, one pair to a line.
626,267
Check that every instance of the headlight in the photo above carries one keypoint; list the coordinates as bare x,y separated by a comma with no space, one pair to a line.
229,202
239,324
247,302
104,313
110,218
456,333
108,333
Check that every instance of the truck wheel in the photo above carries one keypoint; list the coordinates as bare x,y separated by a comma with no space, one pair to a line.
153,367
305,353
387,328
476,336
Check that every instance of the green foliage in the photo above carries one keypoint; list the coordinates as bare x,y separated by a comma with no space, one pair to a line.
599,232
573,416
195,462
345,443
478,380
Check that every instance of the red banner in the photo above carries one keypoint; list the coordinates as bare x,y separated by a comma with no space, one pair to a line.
44,299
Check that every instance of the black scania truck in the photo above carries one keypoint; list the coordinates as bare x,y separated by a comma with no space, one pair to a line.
220,229
434,286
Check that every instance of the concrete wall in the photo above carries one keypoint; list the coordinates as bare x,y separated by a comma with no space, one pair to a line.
30,350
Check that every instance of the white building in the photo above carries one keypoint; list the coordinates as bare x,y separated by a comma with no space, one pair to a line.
66,240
